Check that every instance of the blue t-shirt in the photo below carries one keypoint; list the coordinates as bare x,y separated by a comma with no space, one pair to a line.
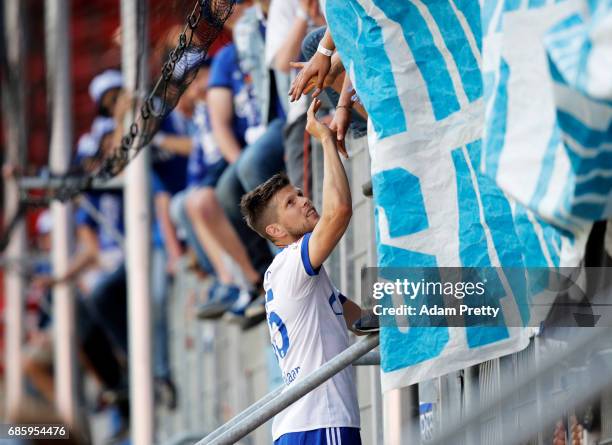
168,168
205,158
169,174
225,72
110,205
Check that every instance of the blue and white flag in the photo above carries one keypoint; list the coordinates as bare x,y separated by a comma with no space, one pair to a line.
416,66
548,94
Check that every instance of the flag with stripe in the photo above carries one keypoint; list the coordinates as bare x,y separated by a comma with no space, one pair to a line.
548,105
416,66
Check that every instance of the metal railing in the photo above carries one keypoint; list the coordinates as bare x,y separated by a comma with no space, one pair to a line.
266,408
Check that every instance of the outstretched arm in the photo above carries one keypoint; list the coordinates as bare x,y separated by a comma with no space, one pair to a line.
318,66
180,145
337,206
87,256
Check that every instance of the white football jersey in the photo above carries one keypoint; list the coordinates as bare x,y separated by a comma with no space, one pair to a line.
307,329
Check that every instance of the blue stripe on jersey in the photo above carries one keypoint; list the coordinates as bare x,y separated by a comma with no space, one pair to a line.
306,257
322,436
342,298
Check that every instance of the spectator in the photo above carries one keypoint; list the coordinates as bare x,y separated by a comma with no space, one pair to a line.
95,352
172,145
38,360
232,113
104,91
289,21
264,156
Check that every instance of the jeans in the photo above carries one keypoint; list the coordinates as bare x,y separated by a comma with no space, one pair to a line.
160,286
181,219
262,159
95,345
108,307
229,191
294,153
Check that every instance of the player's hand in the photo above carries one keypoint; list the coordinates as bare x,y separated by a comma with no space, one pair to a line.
318,66
318,129
340,124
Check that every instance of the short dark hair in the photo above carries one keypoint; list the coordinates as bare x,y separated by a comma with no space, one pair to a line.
254,205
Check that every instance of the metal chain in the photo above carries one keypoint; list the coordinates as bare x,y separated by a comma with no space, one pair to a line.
153,109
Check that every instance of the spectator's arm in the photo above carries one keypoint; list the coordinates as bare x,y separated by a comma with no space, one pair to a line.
290,50
342,116
179,145
124,101
221,107
319,65
87,256
171,242
345,100
333,79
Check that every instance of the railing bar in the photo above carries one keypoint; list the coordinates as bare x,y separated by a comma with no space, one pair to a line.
258,416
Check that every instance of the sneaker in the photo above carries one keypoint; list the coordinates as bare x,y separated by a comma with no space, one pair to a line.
236,313
221,297
254,314
367,324
165,393
257,307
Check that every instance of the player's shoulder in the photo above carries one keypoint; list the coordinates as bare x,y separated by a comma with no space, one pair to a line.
287,254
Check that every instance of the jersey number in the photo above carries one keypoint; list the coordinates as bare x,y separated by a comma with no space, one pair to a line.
275,321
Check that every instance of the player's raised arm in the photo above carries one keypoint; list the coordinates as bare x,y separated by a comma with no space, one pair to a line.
337,207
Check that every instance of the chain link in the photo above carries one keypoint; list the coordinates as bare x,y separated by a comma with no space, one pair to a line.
74,184
155,106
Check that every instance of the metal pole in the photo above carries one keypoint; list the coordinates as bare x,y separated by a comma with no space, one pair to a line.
471,402
248,423
401,416
370,358
36,182
377,404
16,146
244,414
57,26
584,339
138,223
